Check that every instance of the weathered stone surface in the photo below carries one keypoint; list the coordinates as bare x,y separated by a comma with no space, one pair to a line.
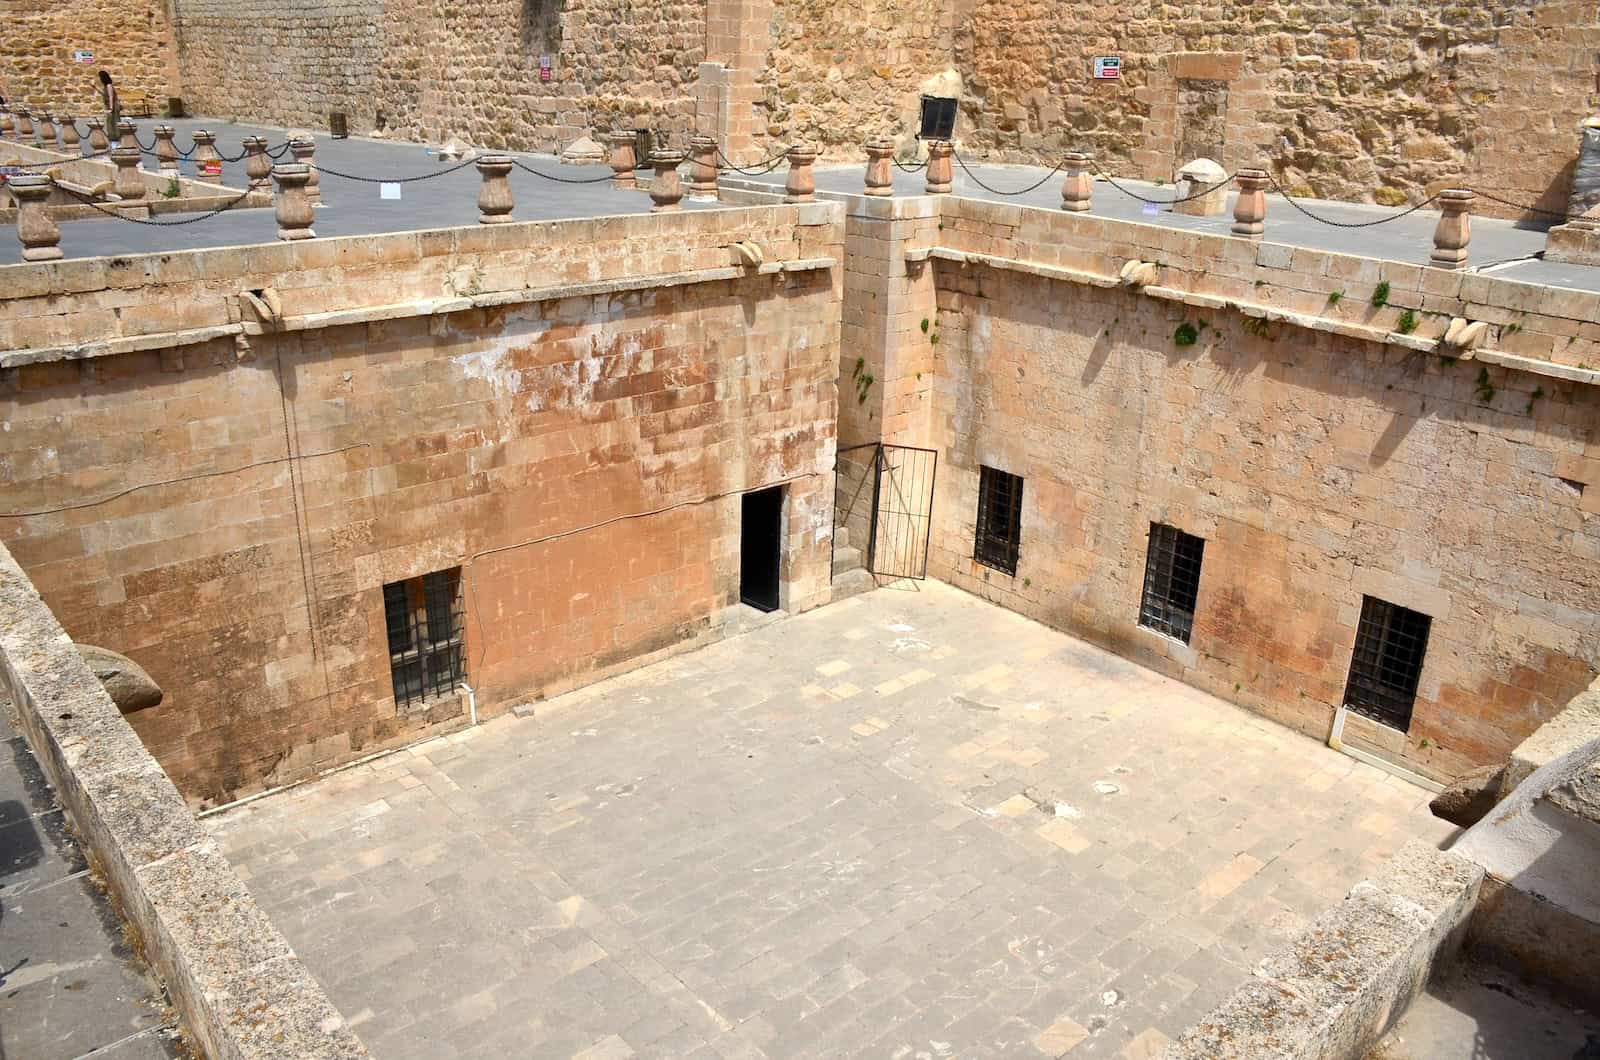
125,681
1469,796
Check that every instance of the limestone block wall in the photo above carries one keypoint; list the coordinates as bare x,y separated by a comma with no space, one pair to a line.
577,449
470,70
1321,454
132,39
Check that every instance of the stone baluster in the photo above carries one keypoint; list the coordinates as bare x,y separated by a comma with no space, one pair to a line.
166,149
703,168
70,140
37,230
293,208
1250,208
801,185
98,144
127,134
257,163
129,183
941,174
880,166
623,161
24,125
666,191
1078,184
47,132
207,163
304,150
494,194
8,125
1454,230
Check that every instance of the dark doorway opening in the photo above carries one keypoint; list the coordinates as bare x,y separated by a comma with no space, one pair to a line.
761,548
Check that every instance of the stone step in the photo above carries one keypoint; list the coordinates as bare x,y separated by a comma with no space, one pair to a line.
852,583
841,537
845,559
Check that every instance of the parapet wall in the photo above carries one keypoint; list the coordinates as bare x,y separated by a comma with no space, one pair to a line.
237,985
217,460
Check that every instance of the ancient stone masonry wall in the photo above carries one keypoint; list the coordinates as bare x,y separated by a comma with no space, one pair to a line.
130,38
580,457
431,71
1317,465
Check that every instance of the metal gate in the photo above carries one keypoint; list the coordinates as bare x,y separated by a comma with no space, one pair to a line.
884,494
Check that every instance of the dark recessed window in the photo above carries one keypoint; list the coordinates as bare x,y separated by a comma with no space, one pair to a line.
424,622
999,519
1171,581
1390,644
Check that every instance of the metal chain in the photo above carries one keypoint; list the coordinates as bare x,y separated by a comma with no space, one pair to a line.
917,168
1429,201
224,208
393,180
996,191
758,169
1163,202
559,180
1527,209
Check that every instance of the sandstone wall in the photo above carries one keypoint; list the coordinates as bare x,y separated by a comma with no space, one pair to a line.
130,38
1325,449
580,456
432,71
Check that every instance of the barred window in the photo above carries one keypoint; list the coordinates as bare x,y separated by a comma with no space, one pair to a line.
424,622
1387,664
1171,581
999,519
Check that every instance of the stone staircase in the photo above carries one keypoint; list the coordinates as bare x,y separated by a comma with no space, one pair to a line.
849,576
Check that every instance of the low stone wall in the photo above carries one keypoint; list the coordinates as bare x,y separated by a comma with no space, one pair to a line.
237,985
87,173
1334,991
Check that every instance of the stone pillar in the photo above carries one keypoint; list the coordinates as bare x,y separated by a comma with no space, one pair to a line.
1078,184
47,132
205,157
1454,230
623,161
801,185
8,125
667,190
494,194
127,134
703,168
98,144
293,208
24,125
880,166
70,140
257,163
36,229
129,185
166,150
940,172
304,151
1250,208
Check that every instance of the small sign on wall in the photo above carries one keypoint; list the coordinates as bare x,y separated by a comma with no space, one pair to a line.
82,55
547,65
1107,67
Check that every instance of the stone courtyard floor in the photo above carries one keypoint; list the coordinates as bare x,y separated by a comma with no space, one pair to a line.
911,824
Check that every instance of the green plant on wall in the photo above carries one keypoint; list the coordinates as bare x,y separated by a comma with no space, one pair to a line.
1407,323
1186,334
1380,294
172,191
1335,297
1258,327
1485,388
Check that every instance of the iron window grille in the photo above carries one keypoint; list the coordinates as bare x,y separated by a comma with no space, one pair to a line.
1387,663
999,536
424,617
1171,581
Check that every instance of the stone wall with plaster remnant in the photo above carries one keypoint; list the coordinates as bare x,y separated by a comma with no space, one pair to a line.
433,71
578,450
132,39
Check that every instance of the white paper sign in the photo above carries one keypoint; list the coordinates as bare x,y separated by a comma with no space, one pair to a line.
387,190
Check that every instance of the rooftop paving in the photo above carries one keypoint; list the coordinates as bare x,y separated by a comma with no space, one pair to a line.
1508,249
908,824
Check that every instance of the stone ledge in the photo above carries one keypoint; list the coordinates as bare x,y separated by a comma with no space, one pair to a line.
235,981
1332,993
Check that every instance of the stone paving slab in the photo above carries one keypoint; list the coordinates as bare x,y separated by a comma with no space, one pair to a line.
909,824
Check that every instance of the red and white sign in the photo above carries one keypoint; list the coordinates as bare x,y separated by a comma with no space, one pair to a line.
546,68
1107,67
